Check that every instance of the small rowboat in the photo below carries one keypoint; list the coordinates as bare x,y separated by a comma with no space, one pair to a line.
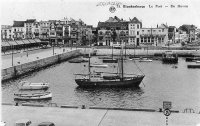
145,60
25,85
33,96
99,65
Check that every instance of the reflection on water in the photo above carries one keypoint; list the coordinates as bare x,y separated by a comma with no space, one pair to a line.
109,97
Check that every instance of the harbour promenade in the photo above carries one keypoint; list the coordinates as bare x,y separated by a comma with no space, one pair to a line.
95,117
25,56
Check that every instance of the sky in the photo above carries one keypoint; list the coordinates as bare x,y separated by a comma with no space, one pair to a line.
91,14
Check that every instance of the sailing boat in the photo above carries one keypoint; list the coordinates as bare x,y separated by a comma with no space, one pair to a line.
113,80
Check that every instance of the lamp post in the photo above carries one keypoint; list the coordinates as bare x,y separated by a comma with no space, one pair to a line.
12,54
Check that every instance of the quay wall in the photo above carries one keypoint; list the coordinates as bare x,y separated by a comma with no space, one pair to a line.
144,52
15,71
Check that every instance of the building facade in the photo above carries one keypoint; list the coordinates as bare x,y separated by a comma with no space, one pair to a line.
154,36
190,31
116,31
134,27
30,28
44,31
113,31
6,32
18,30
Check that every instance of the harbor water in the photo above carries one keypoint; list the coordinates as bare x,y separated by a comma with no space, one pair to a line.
162,82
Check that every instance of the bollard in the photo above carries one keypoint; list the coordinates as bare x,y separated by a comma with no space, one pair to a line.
83,107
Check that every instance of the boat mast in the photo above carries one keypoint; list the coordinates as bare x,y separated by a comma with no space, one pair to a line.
122,66
125,49
89,66
112,51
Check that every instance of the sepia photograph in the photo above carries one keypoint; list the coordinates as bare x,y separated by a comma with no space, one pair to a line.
100,63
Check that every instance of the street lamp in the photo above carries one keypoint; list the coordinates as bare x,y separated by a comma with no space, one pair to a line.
12,54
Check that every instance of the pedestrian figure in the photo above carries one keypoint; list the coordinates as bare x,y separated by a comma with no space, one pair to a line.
63,50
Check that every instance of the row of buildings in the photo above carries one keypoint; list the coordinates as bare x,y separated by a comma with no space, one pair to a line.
115,31
57,32
112,31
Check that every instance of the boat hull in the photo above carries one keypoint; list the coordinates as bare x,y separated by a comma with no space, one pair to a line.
99,65
29,97
34,88
110,60
131,82
170,60
145,60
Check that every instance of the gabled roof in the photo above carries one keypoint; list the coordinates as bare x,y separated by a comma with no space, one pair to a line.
18,24
30,21
113,19
163,26
134,20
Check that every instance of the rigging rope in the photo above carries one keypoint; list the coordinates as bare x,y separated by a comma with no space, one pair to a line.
138,67
139,70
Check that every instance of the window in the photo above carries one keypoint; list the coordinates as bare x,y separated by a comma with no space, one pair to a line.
138,26
148,39
137,32
162,30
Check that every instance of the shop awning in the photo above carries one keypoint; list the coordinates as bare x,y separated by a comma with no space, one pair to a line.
31,41
19,42
12,43
38,40
4,44
26,41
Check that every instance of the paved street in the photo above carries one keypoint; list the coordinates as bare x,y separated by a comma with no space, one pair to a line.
94,117
27,56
